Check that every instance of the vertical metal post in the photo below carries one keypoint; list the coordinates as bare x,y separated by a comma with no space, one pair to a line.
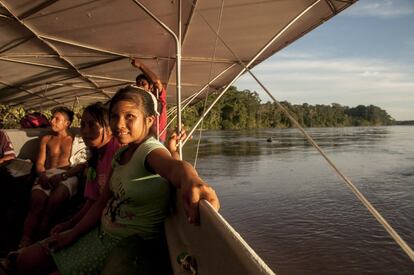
178,68
178,55
190,99
246,66
158,117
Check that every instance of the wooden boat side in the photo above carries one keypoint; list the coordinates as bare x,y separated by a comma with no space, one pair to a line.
216,247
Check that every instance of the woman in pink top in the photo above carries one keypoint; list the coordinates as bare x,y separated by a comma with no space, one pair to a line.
97,135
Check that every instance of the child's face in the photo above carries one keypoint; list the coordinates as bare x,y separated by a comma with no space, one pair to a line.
128,122
92,133
143,83
59,122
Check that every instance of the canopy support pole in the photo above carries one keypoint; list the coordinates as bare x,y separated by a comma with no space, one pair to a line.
190,99
245,67
179,124
177,40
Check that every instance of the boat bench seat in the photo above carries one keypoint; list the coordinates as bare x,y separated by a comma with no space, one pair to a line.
26,141
26,146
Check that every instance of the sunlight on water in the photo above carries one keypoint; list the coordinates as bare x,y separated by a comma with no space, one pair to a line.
295,212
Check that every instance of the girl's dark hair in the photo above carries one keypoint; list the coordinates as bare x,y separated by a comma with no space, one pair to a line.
139,96
100,114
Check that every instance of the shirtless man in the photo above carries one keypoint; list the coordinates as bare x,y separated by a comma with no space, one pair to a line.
57,181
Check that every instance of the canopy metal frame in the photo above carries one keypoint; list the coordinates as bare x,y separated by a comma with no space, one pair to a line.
30,92
245,67
190,99
54,49
257,56
177,38
49,40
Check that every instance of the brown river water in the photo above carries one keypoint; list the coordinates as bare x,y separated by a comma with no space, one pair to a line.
296,213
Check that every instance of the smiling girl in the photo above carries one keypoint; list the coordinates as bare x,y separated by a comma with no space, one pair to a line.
136,200
97,135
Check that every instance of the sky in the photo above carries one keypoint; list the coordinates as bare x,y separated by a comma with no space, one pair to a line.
363,56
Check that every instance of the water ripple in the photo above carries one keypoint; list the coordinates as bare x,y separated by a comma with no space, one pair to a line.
300,218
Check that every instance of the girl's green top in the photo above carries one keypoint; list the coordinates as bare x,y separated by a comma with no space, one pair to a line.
140,199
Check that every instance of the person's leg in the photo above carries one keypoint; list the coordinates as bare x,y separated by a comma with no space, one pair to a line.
35,259
133,255
18,208
56,199
4,206
37,205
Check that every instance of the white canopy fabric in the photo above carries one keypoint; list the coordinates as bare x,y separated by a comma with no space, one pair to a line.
57,52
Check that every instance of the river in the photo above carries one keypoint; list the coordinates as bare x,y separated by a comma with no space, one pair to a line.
296,213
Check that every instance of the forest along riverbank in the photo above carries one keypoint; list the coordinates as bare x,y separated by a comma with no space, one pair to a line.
294,211
244,110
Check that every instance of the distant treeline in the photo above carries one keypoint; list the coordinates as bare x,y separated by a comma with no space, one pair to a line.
405,122
243,110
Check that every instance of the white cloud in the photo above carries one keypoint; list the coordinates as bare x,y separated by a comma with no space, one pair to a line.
382,8
370,74
345,81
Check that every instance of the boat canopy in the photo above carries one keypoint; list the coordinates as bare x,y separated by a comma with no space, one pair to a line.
61,52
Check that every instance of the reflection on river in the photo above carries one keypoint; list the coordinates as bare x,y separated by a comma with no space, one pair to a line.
296,213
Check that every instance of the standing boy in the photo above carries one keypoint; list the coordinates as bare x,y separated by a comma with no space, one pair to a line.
150,82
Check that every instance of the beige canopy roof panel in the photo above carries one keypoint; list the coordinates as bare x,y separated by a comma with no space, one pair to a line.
58,52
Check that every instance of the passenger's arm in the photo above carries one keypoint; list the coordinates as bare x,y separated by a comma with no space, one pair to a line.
93,216
172,145
74,220
182,175
6,147
148,73
71,172
87,223
43,180
76,170
41,157
173,141
7,157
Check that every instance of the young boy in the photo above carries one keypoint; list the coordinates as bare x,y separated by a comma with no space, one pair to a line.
149,81
61,157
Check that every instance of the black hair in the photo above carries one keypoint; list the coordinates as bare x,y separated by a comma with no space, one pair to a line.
100,114
143,76
65,111
139,96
